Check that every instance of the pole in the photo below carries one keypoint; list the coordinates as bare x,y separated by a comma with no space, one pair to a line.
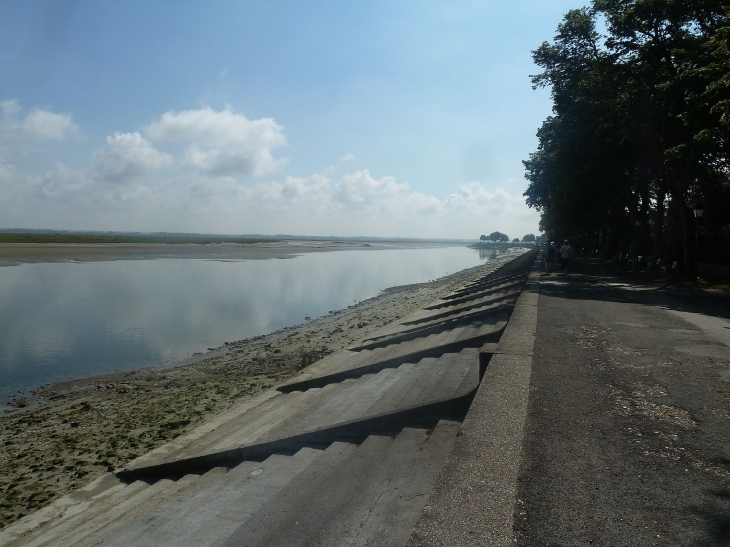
697,251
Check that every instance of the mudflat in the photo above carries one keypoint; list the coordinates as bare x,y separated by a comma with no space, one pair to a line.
28,253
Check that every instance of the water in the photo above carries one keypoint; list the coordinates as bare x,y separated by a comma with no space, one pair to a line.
72,320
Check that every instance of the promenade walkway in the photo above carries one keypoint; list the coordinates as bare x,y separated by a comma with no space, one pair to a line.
628,430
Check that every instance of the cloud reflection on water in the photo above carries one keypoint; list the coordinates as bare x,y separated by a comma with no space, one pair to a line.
75,320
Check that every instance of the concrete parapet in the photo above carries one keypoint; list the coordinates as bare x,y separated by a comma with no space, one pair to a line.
474,498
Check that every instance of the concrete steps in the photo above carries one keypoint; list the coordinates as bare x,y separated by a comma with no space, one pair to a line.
459,315
260,412
104,510
501,287
389,356
490,315
375,493
374,496
211,512
462,307
351,400
515,270
62,509
473,335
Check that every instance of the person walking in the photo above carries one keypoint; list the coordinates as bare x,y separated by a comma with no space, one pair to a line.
565,252
549,257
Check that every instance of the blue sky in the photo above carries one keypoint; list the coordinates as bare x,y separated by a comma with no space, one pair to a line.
322,118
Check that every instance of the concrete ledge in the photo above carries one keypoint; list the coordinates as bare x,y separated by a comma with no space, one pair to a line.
425,416
501,310
502,287
474,498
374,368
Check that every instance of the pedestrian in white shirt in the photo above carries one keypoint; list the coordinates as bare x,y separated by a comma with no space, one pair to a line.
565,252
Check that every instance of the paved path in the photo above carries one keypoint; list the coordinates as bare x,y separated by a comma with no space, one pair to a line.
628,428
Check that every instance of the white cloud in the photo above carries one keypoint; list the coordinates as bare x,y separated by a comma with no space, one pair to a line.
347,157
221,143
354,204
475,198
43,124
10,108
38,124
126,157
130,184
360,204
361,188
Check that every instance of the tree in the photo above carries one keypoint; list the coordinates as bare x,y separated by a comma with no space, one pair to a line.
529,238
483,238
639,130
498,237
516,240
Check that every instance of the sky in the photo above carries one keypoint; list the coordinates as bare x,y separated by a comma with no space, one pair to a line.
348,118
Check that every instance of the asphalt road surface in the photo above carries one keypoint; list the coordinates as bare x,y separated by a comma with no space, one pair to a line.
628,428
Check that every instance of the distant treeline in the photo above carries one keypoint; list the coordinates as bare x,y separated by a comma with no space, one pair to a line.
41,237
640,131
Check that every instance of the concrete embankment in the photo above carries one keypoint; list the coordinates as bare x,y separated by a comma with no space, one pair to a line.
363,447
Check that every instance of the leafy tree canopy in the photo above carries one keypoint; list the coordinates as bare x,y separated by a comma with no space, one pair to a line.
498,237
640,128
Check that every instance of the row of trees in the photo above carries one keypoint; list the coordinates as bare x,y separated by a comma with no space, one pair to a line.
499,237
640,130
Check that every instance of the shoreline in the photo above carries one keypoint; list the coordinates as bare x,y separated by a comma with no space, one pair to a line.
18,254
15,254
91,426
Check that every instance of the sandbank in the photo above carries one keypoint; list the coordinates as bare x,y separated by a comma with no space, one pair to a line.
13,254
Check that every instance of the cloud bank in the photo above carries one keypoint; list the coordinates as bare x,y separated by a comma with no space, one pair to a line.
203,170
127,157
221,143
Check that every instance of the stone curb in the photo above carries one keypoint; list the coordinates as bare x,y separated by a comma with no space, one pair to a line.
474,499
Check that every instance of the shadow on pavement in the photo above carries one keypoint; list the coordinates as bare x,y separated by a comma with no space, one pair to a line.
588,281
717,518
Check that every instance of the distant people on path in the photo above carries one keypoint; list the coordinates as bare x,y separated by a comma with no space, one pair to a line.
549,257
565,252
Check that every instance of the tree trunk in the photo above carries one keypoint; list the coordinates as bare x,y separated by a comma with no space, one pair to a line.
659,212
683,229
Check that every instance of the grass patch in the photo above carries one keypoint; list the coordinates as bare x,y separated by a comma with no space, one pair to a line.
717,285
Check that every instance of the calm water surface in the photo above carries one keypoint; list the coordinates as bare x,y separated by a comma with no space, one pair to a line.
69,320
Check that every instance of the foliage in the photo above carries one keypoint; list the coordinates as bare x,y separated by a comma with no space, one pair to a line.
498,237
640,127
529,238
